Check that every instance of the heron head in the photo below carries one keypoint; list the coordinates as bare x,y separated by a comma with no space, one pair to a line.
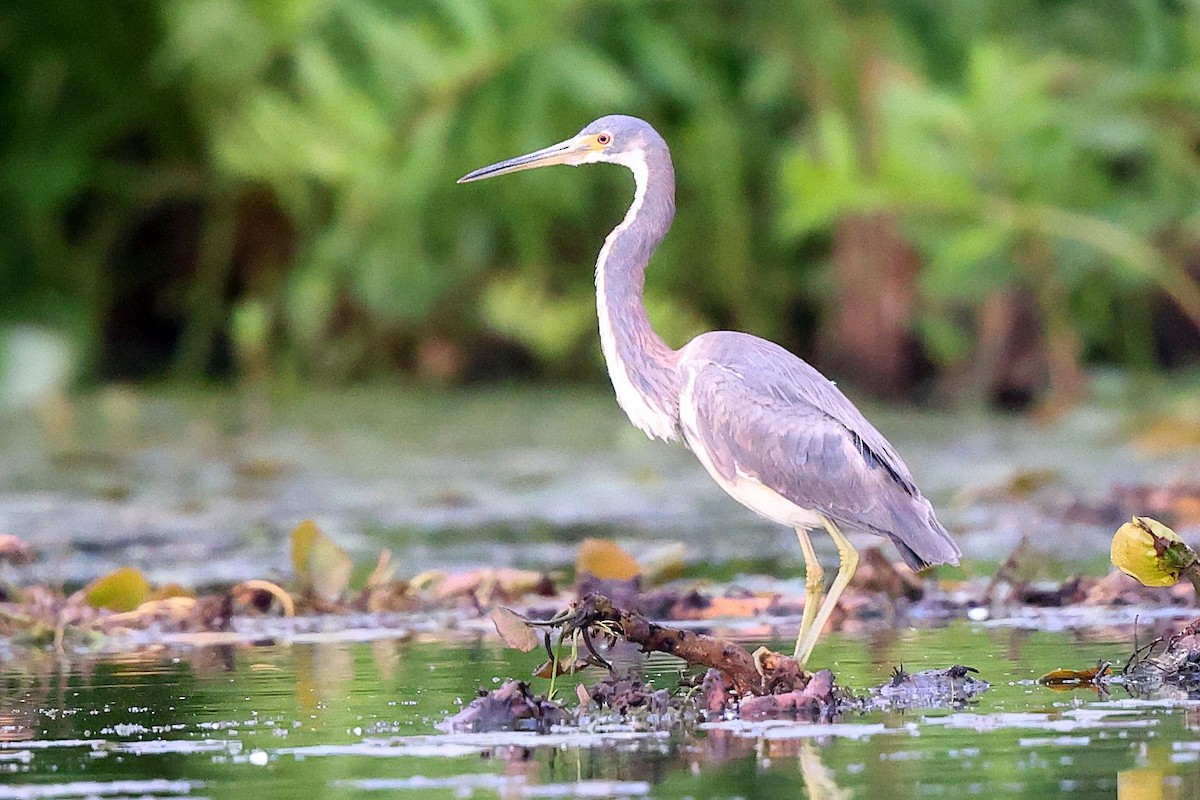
615,139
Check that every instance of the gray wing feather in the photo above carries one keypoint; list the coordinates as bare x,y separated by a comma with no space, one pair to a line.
764,412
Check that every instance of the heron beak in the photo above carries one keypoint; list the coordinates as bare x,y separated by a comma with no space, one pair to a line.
571,151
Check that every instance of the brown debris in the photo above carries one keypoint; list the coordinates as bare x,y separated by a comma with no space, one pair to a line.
815,702
714,693
511,707
15,551
1119,589
1167,668
1072,591
625,693
878,574
1176,505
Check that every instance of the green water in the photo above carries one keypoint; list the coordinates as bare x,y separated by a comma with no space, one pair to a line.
187,490
358,720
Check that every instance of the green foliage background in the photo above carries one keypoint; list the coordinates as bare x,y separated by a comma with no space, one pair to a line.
1047,144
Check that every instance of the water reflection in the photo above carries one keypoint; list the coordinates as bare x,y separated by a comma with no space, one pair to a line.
357,720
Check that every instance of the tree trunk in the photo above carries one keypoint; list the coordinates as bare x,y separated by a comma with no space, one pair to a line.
868,338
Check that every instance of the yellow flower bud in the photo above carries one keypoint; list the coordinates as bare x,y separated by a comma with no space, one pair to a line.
1150,552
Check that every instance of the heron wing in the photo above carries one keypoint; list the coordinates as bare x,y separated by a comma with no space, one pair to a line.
761,413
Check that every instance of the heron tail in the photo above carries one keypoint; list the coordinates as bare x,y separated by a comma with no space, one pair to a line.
924,542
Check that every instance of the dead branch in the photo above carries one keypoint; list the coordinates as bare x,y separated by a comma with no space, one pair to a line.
760,673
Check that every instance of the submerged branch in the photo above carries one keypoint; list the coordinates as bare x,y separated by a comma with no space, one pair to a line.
762,672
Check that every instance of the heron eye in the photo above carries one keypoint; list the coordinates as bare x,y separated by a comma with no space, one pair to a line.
603,138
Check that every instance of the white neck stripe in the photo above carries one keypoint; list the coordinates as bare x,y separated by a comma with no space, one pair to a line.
643,412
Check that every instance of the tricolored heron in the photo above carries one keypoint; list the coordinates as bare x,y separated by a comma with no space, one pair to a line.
776,435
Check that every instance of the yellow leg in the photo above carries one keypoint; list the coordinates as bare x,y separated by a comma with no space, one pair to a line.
848,557
814,585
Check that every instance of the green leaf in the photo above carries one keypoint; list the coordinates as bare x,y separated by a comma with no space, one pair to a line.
947,342
549,325
969,262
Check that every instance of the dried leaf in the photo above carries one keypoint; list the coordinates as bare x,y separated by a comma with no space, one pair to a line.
566,666
520,582
513,629
464,583
1025,482
732,607
664,563
489,583
384,571
257,596
320,562
169,590
605,559
122,590
303,536
426,579
260,469
1067,679
395,595
170,611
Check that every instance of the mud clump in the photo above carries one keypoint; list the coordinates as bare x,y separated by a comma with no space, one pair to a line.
819,701
512,707
953,687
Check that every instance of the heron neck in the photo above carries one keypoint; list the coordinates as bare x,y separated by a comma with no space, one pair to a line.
642,366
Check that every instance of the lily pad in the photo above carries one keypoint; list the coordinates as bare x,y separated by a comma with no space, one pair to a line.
122,590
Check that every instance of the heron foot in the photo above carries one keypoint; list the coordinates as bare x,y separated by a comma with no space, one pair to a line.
814,587
848,564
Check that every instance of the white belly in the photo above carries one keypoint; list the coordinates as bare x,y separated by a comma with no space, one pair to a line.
757,497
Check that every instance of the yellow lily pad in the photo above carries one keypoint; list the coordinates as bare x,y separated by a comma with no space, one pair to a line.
1149,551
121,590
